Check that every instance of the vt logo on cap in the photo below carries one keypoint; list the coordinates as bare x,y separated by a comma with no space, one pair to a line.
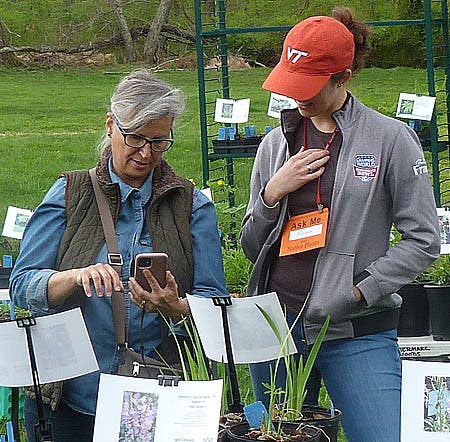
293,55
313,51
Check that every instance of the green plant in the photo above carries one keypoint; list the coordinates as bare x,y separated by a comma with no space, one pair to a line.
196,366
229,213
439,272
287,403
3,425
237,268
5,314
9,246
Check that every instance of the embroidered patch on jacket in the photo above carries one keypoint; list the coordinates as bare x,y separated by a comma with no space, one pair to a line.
420,167
366,167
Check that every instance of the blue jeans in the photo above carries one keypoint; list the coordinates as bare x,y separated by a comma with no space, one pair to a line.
363,378
67,424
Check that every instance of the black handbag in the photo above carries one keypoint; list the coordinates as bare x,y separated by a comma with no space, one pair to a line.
131,362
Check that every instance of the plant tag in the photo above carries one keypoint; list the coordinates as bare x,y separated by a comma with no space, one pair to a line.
255,414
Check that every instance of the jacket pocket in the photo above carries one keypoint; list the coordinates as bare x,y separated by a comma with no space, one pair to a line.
332,289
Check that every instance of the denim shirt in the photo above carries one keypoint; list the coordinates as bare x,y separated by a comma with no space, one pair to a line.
37,258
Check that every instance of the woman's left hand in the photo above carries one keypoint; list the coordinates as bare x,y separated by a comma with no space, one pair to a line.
165,300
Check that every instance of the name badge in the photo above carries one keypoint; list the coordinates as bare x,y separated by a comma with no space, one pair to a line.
304,232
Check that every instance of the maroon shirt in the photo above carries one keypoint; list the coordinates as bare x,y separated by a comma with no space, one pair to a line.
291,275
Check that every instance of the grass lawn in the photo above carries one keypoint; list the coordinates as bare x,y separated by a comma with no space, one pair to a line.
50,121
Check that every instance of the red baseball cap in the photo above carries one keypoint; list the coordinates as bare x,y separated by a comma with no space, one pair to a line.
313,51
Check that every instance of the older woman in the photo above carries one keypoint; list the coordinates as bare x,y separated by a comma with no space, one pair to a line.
63,258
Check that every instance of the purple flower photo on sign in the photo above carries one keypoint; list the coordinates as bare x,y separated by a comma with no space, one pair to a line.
138,417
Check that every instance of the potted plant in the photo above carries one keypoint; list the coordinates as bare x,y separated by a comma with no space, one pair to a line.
197,367
284,420
297,374
414,313
438,293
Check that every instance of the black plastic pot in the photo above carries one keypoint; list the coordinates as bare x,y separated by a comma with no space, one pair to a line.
414,313
222,435
237,433
439,303
323,418
5,273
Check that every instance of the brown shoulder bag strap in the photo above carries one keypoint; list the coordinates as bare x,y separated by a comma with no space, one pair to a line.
114,259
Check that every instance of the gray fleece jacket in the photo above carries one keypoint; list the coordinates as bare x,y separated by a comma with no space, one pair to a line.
381,180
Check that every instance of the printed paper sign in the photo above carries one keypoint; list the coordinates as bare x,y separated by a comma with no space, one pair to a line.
244,320
425,401
279,102
61,345
232,111
415,107
134,409
15,222
444,229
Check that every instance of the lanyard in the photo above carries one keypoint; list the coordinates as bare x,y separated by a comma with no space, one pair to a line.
327,145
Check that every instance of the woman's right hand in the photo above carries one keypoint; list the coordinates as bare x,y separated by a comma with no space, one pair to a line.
102,276
301,168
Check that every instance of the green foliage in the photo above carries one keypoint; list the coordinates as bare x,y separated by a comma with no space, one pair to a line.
297,375
237,268
439,272
62,23
9,246
3,429
287,403
395,236
398,46
196,366
199,369
5,312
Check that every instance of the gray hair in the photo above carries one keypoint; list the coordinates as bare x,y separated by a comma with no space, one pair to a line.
139,98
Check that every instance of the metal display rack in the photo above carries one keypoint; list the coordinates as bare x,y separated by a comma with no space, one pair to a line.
214,82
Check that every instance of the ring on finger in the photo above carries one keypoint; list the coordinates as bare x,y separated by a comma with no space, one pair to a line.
310,170
143,303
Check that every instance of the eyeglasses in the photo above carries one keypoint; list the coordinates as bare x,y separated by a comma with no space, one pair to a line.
136,141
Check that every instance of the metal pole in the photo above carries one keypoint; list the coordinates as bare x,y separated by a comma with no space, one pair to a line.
201,90
42,429
432,92
236,406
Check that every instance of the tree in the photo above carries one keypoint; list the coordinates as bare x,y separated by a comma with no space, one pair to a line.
8,58
152,42
130,54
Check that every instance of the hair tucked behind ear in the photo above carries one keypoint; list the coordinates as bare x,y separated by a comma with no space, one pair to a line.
361,33
140,98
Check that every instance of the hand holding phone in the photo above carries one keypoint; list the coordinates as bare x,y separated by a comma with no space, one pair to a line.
156,263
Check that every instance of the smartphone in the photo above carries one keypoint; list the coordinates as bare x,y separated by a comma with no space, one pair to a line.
156,263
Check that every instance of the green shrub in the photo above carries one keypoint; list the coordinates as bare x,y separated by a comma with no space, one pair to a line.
237,268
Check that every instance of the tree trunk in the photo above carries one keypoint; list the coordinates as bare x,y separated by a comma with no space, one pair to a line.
130,55
152,44
7,59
